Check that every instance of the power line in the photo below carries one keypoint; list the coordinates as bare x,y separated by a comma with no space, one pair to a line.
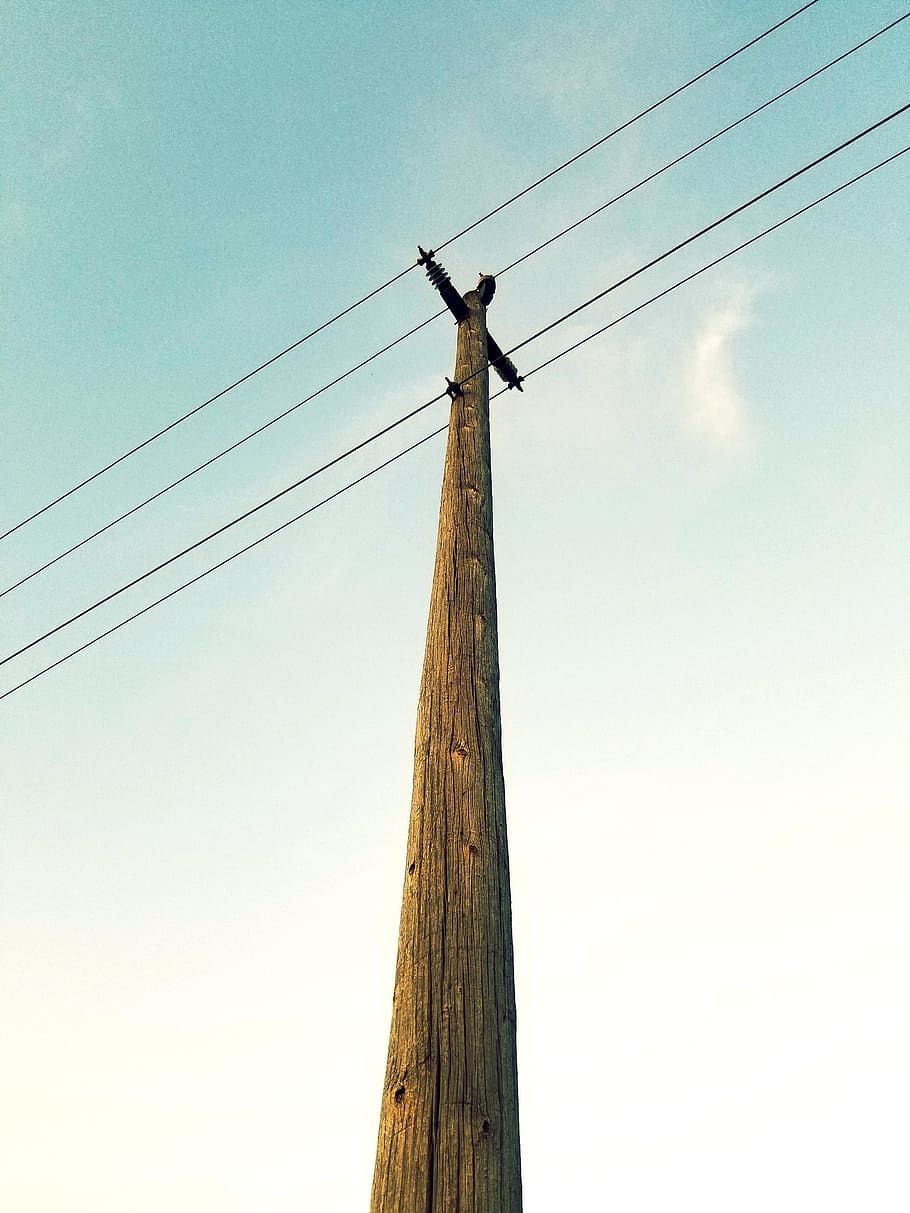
227,560
401,274
717,260
704,143
220,454
542,366
623,126
227,526
378,353
199,407
710,227
386,429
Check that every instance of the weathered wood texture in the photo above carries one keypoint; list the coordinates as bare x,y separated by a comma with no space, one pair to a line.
448,1133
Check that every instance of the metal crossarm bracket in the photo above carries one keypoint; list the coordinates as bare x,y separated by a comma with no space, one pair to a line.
503,366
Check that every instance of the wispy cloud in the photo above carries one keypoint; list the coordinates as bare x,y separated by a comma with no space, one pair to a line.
716,407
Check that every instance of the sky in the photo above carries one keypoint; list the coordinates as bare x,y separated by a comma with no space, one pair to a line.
703,575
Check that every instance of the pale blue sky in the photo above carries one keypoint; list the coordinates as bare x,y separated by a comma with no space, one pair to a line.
702,546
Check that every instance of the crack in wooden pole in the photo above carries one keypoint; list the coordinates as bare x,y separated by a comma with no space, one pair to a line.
448,1130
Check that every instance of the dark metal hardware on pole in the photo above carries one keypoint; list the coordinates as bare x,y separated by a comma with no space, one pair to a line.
504,367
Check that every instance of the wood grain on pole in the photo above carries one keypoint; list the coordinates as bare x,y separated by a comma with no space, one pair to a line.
448,1132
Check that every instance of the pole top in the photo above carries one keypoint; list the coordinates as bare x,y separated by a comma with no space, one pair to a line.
486,288
501,364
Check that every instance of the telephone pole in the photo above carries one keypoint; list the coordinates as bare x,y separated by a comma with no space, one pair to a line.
448,1130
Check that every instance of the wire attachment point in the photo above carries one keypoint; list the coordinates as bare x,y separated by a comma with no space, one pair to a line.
443,283
501,364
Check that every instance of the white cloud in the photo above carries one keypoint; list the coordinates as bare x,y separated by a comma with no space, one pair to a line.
716,408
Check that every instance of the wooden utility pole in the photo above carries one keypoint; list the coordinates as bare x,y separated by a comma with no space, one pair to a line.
448,1131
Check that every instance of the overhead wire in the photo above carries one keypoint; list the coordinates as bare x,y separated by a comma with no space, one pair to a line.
214,458
435,433
704,143
622,127
227,560
737,210
420,408
717,260
436,315
227,526
166,429
401,274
